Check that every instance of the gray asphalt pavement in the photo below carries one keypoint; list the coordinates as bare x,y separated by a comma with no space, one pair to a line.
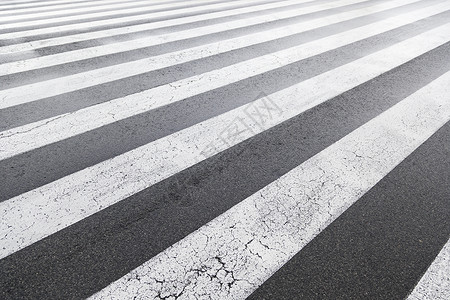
210,149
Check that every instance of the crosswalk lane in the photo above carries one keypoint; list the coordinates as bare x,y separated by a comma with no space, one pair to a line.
253,10
14,5
57,8
67,148
120,12
92,52
263,231
177,187
30,33
98,180
117,109
40,90
105,15
65,12
382,241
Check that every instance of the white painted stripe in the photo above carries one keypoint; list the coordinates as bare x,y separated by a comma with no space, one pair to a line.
69,8
251,39
118,8
27,137
168,14
36,91
136,28
232,255
109,22
435,283
63,202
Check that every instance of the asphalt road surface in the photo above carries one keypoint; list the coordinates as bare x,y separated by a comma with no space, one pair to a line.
212,149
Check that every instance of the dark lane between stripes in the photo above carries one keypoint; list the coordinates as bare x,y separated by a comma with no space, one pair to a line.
381,246
67,12
85,257
134,35
32,169
41,74
119,15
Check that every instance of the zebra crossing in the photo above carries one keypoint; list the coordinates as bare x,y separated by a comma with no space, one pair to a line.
210,149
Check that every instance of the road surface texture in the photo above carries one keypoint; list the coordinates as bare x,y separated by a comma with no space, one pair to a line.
213,149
